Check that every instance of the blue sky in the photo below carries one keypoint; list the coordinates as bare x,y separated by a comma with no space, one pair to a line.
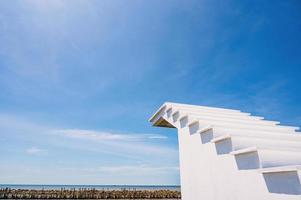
80,78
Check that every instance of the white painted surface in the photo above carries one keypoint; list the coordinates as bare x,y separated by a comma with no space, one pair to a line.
230,155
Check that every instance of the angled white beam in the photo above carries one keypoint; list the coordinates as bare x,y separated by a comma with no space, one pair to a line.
244,151
287,168
220,138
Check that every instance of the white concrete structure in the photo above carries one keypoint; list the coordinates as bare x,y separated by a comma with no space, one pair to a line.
230,155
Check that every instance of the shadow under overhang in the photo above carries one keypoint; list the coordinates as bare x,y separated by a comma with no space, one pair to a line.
161,122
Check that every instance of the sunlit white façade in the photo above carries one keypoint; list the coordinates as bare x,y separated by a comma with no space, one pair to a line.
230,155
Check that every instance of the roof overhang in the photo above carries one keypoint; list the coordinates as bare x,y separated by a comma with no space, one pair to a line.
158,118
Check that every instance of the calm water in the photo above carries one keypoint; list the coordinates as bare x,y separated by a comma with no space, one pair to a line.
98,187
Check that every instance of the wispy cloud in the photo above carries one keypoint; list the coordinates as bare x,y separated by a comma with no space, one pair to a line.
35,151
91,135
139,168
137,146
130,145
110,156
127,169
160,137
106,136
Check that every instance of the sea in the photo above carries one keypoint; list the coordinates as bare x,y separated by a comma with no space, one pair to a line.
98,187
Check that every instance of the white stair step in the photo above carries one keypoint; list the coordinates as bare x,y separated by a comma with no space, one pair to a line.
222,115
255,158
273,158
184,116
183,107
220,138
192,122
244,151
202,108
257,134
288,168
283,179
247,121
204,129
281,129
169,112
240,142
261,125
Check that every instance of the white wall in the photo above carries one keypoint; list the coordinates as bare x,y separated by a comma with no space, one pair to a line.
214,170
206,175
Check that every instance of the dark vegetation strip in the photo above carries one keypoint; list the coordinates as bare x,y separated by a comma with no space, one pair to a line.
8,193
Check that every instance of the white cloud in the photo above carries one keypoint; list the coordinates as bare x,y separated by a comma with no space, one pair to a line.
126,169
35,151
89,134
123,151
139,169
162,137
135,146
132,145
106,136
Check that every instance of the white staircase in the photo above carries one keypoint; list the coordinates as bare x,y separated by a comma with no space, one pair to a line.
228,154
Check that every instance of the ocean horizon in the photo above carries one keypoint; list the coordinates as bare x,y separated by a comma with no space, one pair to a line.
98,187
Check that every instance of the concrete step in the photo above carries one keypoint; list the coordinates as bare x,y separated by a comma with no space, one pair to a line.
174,113
287,168
233,143
194,124
235,121
202,108
255,158
283,180
296,136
